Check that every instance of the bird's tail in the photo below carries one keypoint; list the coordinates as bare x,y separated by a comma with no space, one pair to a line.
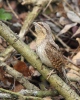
64,76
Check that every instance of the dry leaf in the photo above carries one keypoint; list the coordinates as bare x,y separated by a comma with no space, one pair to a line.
17,88
74,60
13,5
22,16
76,33
73,17
76,57
22,68
73,75
76,5
53,27
64,21
78,39
74,29
33,71
66,28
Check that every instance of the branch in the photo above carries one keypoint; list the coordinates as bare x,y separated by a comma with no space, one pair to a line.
32,58
18,76
39,93
9,95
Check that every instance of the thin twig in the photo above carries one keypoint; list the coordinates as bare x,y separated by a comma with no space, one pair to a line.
12,9
51,8
47,6
52,20
71,8
32,32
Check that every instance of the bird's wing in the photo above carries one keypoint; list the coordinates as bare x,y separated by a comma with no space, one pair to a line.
55,57
57,60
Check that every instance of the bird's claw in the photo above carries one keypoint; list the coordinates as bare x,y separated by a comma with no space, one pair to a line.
51,72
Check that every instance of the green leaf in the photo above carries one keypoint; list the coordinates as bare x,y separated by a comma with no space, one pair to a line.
5,15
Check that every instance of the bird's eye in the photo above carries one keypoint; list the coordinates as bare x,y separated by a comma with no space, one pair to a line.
38,27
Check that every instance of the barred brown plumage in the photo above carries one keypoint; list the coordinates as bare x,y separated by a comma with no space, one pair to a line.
55,58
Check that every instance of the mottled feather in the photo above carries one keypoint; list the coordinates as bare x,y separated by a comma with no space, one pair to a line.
48,50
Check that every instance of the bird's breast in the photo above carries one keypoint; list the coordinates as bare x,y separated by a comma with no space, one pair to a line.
40,50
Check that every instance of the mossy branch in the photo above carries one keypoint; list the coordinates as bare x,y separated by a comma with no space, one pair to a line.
16,96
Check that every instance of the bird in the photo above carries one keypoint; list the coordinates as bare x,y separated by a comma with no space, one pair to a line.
47,50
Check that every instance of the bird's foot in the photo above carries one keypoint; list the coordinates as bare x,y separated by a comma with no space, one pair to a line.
52,72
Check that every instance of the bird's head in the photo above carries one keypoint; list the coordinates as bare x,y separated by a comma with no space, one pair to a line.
42,28
42,31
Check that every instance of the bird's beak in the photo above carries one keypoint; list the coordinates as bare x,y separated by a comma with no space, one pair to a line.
39,28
